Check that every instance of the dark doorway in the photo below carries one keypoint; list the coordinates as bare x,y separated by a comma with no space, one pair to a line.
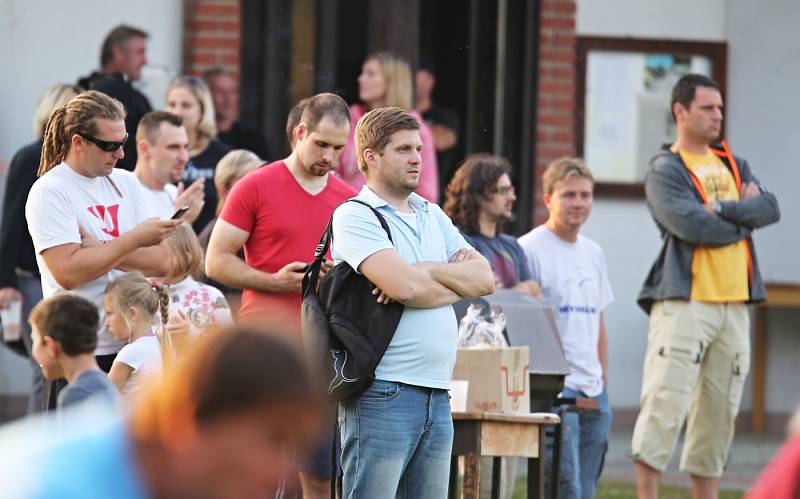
483,52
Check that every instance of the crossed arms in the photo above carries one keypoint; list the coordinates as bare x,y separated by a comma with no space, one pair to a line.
679,211
429,284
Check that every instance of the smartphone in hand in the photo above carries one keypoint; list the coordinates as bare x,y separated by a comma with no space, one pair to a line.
179,212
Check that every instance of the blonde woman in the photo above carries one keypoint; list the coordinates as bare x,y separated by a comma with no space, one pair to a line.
385,81
189,98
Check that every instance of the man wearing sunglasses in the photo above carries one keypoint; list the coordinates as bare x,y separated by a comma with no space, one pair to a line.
84,215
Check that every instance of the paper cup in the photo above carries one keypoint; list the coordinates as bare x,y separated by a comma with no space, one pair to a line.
11,318
458,395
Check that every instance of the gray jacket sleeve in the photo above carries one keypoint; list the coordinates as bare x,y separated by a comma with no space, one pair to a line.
752,213
674,205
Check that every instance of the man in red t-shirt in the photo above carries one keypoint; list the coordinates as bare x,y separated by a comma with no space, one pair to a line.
278,214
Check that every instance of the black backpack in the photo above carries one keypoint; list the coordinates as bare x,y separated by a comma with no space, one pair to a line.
345,330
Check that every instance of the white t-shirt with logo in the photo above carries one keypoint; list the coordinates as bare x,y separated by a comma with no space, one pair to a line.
574,280
63,200
158,204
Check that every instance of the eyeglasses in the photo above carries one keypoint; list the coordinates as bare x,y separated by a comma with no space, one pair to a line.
502,190
105,145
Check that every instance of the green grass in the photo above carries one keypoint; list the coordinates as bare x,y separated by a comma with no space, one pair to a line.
609,489
624,490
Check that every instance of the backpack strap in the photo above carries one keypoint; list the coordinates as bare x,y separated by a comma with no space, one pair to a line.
377,214
312,274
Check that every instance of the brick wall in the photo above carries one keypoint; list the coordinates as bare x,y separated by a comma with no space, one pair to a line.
556,107
211,35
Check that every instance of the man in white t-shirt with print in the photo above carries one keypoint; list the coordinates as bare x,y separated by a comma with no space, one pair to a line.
163,152
571,271
83,214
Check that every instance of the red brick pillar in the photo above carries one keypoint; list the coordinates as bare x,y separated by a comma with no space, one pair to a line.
555,120
212,35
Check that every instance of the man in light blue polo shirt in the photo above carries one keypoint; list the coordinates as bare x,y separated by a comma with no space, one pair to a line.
397,436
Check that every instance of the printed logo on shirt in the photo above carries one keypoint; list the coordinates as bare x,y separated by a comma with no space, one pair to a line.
579,295
100,212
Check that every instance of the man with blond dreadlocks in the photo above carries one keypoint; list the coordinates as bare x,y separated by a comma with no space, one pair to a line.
83,213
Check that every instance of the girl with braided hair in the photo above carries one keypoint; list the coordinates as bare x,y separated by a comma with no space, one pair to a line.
136,312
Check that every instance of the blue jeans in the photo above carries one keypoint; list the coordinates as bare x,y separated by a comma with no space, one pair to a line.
583,448
396,442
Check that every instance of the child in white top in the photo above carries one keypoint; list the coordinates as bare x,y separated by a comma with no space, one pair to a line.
131,304
198,306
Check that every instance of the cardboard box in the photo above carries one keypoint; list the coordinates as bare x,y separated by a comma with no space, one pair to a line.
498,378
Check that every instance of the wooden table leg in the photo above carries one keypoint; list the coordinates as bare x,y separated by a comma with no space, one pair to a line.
759,370
471,486
536,470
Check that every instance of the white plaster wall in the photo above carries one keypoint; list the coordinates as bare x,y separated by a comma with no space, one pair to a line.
626,232
46,42
676,19
762,113
43,42
762,109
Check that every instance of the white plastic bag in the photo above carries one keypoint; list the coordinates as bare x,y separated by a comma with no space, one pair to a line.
478,331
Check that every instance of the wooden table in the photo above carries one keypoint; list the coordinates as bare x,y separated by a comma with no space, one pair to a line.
498,435
778,296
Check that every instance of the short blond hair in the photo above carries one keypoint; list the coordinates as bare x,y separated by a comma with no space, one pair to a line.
54,97
399,84
374,130
562,169
233,166
185,253
207,128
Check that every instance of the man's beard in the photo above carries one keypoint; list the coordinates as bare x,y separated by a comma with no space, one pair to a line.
319,169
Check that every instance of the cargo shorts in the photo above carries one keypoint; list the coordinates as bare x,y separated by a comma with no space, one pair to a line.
697,360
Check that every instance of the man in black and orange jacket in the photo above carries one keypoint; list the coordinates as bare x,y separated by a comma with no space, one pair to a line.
706,203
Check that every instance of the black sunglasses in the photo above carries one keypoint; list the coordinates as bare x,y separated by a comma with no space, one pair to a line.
105,145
